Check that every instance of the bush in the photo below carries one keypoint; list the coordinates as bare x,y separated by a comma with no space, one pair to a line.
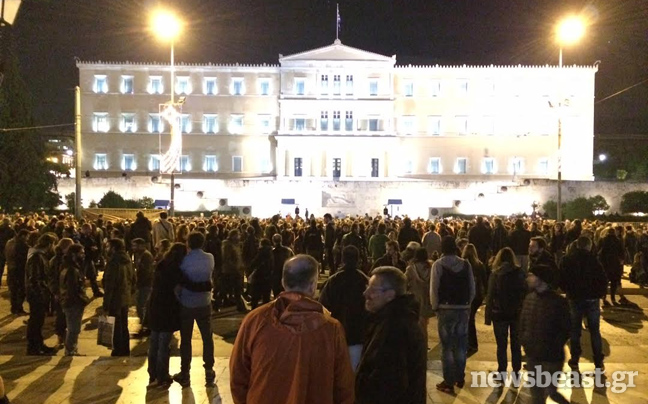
112,199
635,201
579,208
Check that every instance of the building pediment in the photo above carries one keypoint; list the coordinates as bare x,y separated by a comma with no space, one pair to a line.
337,53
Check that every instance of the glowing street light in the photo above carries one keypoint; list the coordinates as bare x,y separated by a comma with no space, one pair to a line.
602,157
167,26
568,31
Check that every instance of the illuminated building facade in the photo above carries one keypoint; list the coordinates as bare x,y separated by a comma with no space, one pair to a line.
338,128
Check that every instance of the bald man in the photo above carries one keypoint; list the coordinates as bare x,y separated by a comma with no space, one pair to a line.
291,350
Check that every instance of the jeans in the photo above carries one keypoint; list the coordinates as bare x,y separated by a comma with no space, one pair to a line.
453,332
502,329
355,353
591,310
158,355
539,394
202,317
73,317
143,294
60,323
16,283
35,323
91,275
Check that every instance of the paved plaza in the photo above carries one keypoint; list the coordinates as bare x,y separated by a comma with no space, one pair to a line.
98,378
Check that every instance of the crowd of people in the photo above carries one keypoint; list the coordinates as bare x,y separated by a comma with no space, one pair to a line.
363,337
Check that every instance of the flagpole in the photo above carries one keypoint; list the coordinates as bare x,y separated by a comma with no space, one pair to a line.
337,22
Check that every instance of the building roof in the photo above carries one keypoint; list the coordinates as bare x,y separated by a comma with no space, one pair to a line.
337,52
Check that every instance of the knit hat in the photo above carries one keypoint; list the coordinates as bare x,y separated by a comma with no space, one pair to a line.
448,245
545,273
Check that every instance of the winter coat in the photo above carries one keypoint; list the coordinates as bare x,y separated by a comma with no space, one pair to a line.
406,235
611,254
232,260
418,283
582,276
342,294
386,261
262,266
291,351
144,269
72,287
481,237
506,291
36,284
519,241
141,228
164,308
394,356
544,326
119,283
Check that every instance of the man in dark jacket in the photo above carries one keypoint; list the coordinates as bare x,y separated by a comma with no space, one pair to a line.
16,252
329,243
391,258
89,243
519,240
38,293
141,228
611,254
143,264
119,286
281,254
500,236
544,329
584,281
407,234
6,234
481,237
343,296
539,256
393,365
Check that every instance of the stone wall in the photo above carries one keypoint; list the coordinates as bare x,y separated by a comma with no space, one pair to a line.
352,197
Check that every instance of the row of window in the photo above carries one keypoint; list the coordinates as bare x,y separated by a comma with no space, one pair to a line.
336,85
210,124
183,85
210,163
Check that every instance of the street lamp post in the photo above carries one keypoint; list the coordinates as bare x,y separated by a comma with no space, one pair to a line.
167,27
569,31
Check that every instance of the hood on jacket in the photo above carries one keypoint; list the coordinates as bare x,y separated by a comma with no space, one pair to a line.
121,257
506,267
34,250
402,306
453,262
298,313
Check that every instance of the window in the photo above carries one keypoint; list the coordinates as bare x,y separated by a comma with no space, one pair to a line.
183,85
409,88
348,121
434,125
184,164
100,85
155,85
373,87
434,165
185,123
324,84
462,87
336,84
264,86
349,84
337,167
100,161
488,125
128,162
237,164
543,166
488,166
128,123
409,166
516,165
126,85
210,123
461,165
236,124
210,86
237,86
324,121
336,120
462,124
409,125
300,123
209,164
298,166
265,123
154,162
266,165
375,168
373,125
155,124
100,122
435,88
300,86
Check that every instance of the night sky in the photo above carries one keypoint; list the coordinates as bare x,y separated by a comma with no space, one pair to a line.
50,33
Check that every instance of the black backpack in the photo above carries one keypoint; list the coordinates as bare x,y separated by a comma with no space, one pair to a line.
454,287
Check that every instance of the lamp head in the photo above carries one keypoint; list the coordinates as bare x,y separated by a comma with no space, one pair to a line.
165,25
570,30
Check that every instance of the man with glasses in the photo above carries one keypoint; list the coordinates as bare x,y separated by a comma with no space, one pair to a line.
394,356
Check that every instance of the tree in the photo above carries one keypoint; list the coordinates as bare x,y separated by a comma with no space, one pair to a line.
70,201
27,180
579,208
634,202
146,203
112,199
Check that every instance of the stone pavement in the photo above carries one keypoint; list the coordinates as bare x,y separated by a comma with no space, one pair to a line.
98,378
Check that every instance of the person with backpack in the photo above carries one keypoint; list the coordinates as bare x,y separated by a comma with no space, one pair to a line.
452,289
504,298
